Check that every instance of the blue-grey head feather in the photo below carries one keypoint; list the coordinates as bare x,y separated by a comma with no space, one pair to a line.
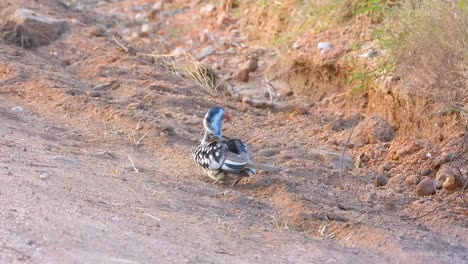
213,121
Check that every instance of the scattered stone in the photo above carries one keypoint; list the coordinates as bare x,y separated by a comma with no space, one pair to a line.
74,92
438,184
17,109
94,93
373,130
380,180
243,75
396,180
252,64
102,87
413,179
178,51
444,158
324,45
224,19
426,171
452,183
98,31
268,152
444,172
157,6
387,167
209,8
370,53
289,93
426,187
370,197
140,17
41,30
43,176
145,30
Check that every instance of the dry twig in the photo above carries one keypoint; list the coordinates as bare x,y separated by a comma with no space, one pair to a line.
344,149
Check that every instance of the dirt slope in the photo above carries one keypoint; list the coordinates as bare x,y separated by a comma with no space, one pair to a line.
70,193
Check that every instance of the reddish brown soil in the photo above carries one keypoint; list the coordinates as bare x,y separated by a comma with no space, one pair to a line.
70,193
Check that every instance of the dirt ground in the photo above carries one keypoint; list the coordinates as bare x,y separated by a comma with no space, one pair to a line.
105,175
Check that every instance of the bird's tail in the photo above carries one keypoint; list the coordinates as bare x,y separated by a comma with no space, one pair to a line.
263,167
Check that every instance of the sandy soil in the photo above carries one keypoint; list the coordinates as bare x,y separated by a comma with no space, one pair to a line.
107,176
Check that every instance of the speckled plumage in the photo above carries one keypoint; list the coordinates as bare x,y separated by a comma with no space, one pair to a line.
222,158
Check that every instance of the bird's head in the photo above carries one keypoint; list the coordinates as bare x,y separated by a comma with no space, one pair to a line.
213,121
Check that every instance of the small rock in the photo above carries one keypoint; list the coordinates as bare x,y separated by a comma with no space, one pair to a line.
426,171
413,179
445,171
426,187
373,130
224,19
380,180
178,51
289,93
370,197
324,45
102,87
438,184
43,29
451,183
97,31
74,92
396,180
43,176
370,54
157,6
387,167
252,64
145,30
17,109
209,8
243,75
94,93
444,158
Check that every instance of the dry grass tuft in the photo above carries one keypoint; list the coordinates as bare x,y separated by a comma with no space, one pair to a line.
202,75
17,35
429,40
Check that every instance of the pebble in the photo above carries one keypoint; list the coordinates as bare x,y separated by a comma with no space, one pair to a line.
209,8
426,187
380,180
43,176
444,158
43,29
426,171
413,179
178,51
94,93
102,87
451,183
145,30
438,184
17,109
97,31
324,45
